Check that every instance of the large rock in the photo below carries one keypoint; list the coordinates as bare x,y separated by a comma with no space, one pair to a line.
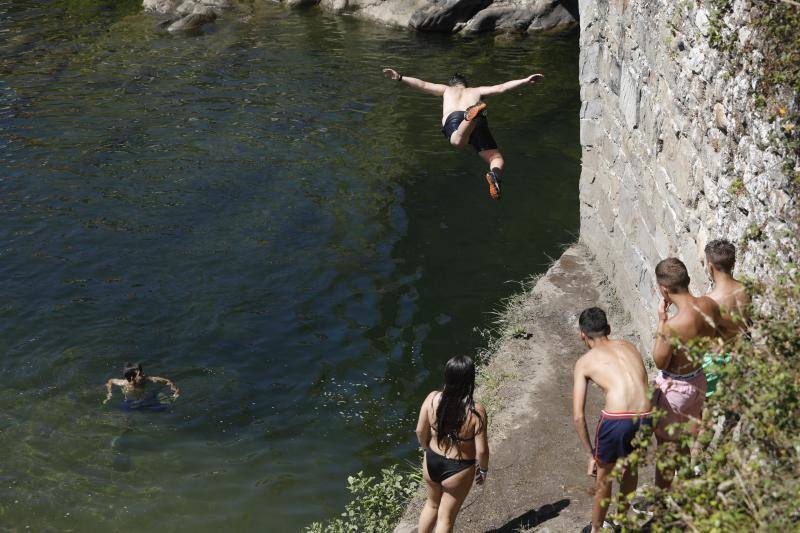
459,15
194,21
510,16
185,7
445,15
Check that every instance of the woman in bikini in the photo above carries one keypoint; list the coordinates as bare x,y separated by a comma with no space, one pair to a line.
452,431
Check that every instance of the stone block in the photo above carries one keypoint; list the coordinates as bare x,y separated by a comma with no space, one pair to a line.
629,97
589,57
591,130
663,243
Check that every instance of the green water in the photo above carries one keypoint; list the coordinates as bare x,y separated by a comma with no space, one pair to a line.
257,214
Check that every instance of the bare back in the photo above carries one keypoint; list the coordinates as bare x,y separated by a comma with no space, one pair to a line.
699,318
733,302
459,98
464,448
616,366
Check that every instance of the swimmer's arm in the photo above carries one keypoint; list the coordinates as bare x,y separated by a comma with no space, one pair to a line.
171,385
110,387
423,430
579,406
435,89
494,90
662,349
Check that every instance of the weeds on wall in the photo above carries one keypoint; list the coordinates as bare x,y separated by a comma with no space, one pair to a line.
776,40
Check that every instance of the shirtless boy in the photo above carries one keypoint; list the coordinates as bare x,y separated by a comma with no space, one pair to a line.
462,118
681,384
731,297
134,387
616,367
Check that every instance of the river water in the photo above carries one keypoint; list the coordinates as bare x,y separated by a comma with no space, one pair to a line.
258,215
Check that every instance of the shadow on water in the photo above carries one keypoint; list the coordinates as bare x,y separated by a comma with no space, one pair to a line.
258,215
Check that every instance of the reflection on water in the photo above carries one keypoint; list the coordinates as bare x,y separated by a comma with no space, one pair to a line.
260,216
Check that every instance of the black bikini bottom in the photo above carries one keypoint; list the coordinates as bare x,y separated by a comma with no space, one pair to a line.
441,468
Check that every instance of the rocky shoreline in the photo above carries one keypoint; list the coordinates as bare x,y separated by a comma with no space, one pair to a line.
444,16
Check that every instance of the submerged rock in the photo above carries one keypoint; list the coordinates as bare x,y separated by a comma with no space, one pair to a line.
186,7
193,22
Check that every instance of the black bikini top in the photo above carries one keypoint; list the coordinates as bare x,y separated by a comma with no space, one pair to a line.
456,438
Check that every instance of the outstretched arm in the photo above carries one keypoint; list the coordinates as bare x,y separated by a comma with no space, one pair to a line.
423,425
482,446
425,86
171,385
493,90
109,388
578,413
578,406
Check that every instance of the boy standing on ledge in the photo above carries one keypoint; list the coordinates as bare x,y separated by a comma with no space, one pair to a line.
681,384
616,366
463,120
732,299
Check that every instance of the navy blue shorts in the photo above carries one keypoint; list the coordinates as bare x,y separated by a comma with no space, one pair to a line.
615,432
481,138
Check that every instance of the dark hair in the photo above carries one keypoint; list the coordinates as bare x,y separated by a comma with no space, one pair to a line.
593,322
722,254
457,79
131,369
672,273
456,401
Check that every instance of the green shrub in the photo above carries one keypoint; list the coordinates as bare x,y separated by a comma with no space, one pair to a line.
746,476
377,504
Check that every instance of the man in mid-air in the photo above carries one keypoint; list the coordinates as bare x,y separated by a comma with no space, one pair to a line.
463,120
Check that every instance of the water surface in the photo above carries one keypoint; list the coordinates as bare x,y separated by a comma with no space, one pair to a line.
258,215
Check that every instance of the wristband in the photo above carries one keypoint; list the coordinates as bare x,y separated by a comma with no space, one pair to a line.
400,78
483,471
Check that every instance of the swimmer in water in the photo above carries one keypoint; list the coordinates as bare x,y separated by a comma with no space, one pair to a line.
463,119
134,386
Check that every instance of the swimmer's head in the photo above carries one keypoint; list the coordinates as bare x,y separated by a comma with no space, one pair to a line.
672,276
457,79
721,255
593,323
133,373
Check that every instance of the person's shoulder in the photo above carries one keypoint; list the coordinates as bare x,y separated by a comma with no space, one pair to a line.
627,346
708,304
585,361
431,396
481,410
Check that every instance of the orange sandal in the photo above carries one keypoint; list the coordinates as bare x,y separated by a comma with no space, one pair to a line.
494,184
474,110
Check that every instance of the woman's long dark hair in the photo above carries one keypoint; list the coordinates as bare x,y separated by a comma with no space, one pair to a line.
456,401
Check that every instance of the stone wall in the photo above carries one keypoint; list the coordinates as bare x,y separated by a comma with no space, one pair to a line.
674,154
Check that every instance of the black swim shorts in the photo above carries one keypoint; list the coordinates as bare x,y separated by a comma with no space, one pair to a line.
481,138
